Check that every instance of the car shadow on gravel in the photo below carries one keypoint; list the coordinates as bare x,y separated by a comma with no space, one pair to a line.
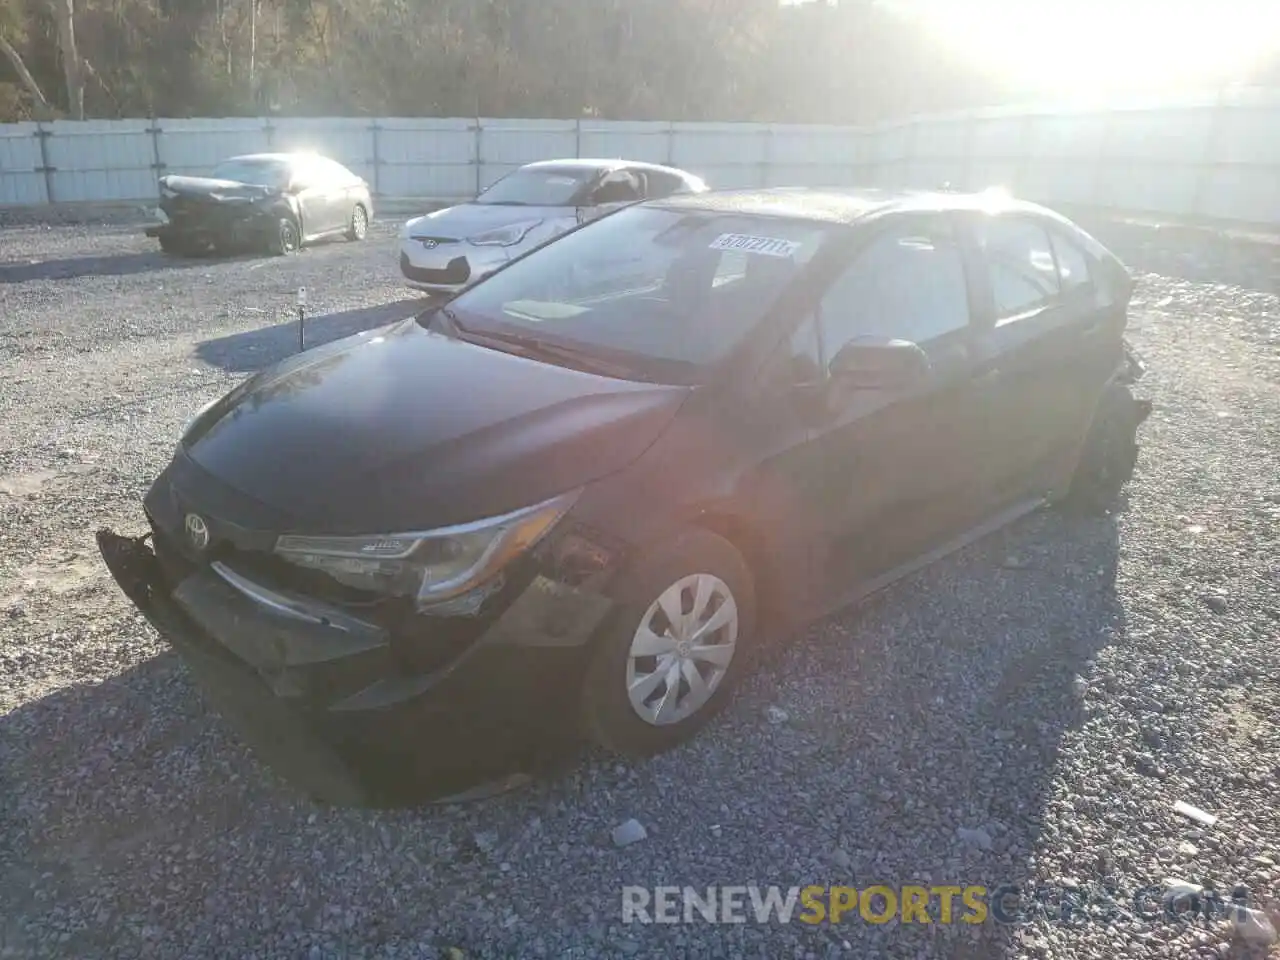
1069,610
961,733
955,742
114,265
254,349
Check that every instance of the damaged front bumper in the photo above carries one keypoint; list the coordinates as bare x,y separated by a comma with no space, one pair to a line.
324,699
218,224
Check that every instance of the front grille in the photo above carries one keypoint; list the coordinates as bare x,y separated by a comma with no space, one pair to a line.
457,272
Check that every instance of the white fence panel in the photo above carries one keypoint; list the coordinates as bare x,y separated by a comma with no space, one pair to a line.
817,156
21,179
349,140
999,137
1160,134
1247,135
505,145
1070,180
649,141
101,160
1250,194
1072,136
1216,155
193,147
1155,187
426,157
726,155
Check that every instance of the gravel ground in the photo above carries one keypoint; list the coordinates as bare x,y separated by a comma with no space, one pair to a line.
1026,711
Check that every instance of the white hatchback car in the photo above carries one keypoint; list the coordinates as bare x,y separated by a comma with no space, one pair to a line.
448,250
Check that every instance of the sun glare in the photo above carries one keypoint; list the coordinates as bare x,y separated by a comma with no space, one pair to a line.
1092,47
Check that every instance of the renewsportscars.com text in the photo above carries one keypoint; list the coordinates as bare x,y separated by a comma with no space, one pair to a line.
943,903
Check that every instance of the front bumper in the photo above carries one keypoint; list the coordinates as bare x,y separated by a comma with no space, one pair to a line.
333,710
449,267
225,224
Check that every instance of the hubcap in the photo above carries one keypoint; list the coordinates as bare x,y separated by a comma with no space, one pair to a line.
359,221
682,649
288,236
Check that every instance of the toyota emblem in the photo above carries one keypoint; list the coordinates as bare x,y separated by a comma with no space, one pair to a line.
197,531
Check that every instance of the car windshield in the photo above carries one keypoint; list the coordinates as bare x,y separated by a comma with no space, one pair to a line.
537,188
264,173
651,293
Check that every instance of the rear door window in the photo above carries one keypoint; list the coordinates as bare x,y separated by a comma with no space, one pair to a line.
662,184
1073,266
1020,264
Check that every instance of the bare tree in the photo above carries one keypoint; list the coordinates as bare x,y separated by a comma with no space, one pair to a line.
72,68
28,81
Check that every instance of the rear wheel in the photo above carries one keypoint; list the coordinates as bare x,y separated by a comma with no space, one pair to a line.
359,223
665,666
1110,452
285,239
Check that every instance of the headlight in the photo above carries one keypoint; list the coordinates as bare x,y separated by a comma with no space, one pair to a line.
431,566
504,236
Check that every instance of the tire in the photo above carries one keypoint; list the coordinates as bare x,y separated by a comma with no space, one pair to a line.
699,563
285,239
359,226
1110,452
176,246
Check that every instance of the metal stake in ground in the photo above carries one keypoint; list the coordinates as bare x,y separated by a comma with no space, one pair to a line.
302,305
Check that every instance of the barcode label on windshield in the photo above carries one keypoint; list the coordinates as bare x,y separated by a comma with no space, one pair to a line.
765,246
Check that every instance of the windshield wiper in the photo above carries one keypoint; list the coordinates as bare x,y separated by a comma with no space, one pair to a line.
537,347
501,203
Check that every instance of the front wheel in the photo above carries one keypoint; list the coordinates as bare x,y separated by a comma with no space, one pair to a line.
177,246
665,666
285,238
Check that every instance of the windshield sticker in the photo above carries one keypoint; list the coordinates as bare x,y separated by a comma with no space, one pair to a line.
561,181
765,246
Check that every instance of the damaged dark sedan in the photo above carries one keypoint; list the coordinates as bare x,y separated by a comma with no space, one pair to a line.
272,202
575,497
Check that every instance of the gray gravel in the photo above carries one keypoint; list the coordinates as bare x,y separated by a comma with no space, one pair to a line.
1026,711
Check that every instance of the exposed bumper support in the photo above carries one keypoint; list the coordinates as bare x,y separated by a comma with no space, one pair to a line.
330,707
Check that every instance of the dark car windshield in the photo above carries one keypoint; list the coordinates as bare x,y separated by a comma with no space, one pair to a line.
264,173
658,292
537,187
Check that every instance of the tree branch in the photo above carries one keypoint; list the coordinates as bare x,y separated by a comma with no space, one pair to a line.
25,76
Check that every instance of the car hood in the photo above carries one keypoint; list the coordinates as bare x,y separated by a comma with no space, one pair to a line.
469,219
404,428
210,188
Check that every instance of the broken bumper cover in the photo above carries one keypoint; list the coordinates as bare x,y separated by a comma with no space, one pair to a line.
327,705
239,223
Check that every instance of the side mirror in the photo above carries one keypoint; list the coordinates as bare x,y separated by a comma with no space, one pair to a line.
879,364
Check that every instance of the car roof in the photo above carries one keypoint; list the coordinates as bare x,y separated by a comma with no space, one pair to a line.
842,206
602,165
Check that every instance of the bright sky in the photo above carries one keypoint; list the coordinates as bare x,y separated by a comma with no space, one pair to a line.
1099,46
1094,47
